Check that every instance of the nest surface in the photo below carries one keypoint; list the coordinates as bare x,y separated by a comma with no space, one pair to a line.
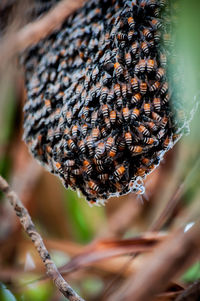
98,111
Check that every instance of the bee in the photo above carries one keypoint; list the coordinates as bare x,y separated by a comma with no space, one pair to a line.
150,65
147,108
157,103
134,48
107,38
156,24
155,86
135,150
140,172
167,39
142,66
152,126
128,138
135,114
69,163
113,151
118,69
106,78
160,73
107,123
112,117
47,104
137,68
149,141
104,93
164,122
84,129
121,145
75,131
164,88
163,60
87,167
119,172
92,185
76,108
119,102
79,89
110,96
136,98
66,133
146,161
90,142
99,164
69,117
95,133
81,146
85,112
71,144
166,99
147,33
100,150
152,3
124,90
162,3
143,88
117,90
103,132
145,47
126,75
95,73
72,182
109,143
143,130
103,177
131,22
76,171
126,113
62,123
160,134
156,116
94,117
134,84
58,168
157,36
130,35
121,36
166,142
105,110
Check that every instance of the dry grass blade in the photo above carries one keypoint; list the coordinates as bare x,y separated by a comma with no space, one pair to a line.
171,258
30,229
174,201
105,249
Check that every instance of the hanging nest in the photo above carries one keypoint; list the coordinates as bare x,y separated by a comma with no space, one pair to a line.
100,109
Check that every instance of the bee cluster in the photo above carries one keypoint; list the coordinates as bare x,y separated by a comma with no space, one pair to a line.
98,110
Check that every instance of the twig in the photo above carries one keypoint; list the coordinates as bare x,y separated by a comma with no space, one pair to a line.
36,238
191,293
37,30
169,260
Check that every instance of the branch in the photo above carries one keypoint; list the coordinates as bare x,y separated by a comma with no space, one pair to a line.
35,31
36,238
169,260
191,293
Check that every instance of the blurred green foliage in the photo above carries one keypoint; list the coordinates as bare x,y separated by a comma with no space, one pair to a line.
84,221
5,294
